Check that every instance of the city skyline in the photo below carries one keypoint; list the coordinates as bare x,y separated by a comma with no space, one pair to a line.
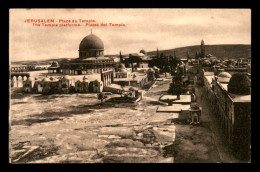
162,28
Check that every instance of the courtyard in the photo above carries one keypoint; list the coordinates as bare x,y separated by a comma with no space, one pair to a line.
76,128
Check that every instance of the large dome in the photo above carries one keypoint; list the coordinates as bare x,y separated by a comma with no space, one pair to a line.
239,84
91,42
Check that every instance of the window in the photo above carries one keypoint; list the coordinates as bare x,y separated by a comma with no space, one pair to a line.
64,86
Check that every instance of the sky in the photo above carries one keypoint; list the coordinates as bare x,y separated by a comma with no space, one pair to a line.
147,29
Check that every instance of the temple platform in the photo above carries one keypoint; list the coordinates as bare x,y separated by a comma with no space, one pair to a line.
184,99
176,108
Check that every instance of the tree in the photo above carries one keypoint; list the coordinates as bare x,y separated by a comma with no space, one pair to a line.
166,68
101,97
176,86
171,64
175,62
164,64
131,61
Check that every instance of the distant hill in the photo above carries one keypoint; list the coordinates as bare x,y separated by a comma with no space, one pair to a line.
230,51
39,62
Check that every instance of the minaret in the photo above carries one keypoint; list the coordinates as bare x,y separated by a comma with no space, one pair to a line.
202,49
121,58
188,55
157,53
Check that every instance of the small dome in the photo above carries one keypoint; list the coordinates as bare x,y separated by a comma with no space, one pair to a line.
91,42
30,79
224,75
143,51
155,67
239,84
54,64
85,77
46,80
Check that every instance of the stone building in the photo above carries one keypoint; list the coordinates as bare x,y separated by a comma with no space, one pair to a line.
54,68
18,78
28,85
122,72
96,86
82,86
38,85
231,102
65,84
91,58
50,86
19,68
150,75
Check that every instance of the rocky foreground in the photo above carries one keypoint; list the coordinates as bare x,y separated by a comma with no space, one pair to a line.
76,128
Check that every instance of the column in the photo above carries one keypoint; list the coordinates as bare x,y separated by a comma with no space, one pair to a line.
20,81
109,78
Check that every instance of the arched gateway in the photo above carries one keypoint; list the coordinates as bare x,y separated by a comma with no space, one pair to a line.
18,78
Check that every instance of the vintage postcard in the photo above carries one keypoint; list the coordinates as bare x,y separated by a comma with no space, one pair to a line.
129,85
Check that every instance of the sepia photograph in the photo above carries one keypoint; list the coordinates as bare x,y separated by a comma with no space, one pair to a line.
164,85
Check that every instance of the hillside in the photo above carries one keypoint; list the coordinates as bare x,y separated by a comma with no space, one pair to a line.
230,51
39,62
233,51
